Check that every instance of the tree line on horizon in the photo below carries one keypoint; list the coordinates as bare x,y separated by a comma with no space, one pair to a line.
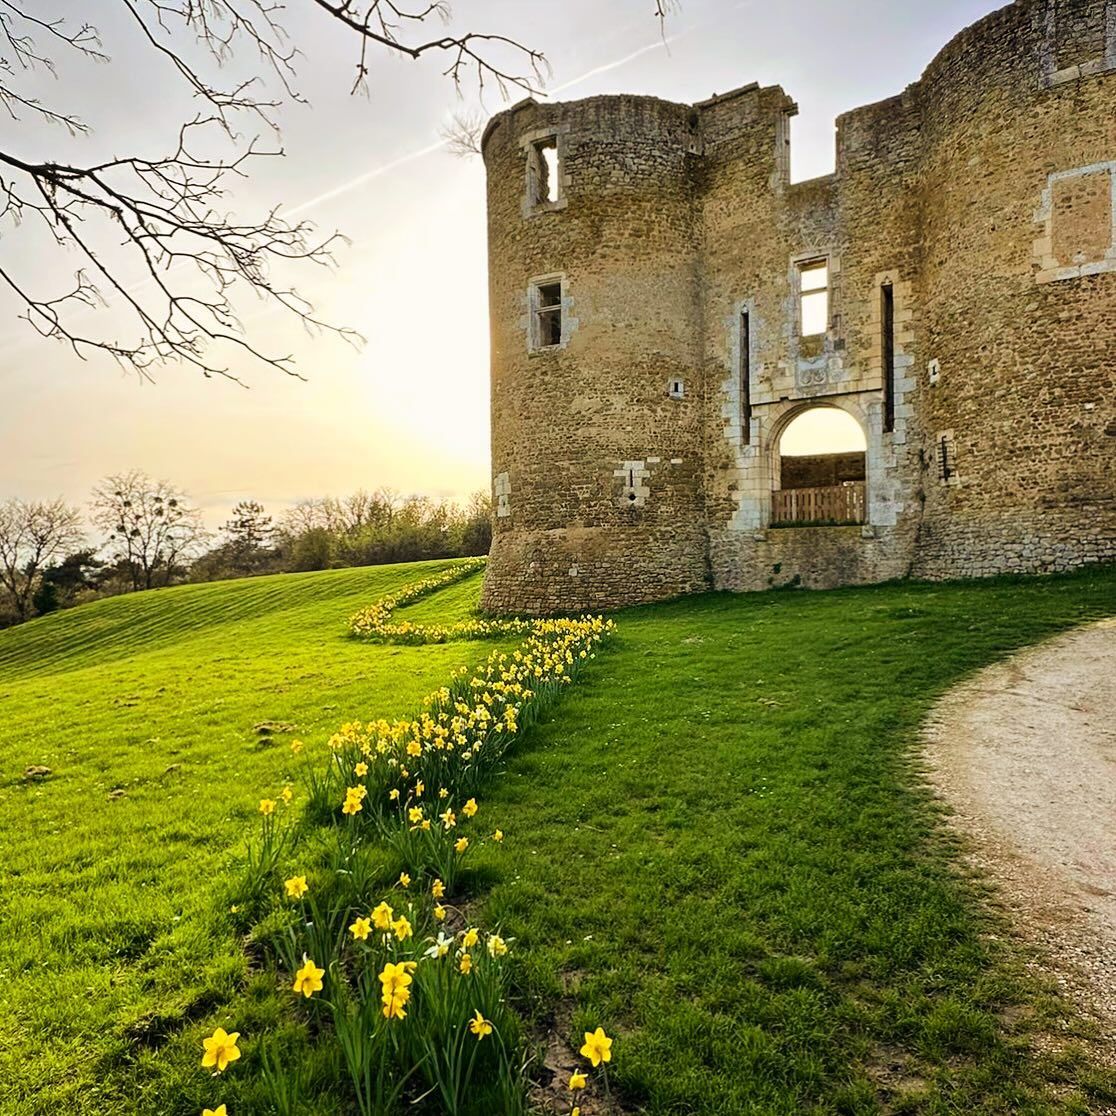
151,535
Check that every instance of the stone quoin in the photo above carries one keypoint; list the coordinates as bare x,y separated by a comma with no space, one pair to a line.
665,302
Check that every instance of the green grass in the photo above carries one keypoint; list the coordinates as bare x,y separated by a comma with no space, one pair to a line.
719,848
107,898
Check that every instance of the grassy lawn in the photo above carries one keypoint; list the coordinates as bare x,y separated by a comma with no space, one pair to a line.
718,848
145,710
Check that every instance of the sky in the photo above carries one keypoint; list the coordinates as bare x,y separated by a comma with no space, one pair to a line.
409,410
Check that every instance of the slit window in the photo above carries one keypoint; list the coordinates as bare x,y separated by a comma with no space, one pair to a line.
887,330
547,314
813,288
544,179
745,378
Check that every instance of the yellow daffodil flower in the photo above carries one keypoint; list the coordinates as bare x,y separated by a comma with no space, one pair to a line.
437,889
382,917
439,912
360,770
404,880
465,965
296,746
401,928
497,947
461,844
480,1026
470,808
218,1111
308,979
361,928
267,806
471,937
597,1048
578,1080
296,887
220,1049
498,835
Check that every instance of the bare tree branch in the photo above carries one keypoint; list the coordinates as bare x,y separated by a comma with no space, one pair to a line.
32,535
153,233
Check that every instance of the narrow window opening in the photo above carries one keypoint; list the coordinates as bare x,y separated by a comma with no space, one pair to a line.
813,287
543,171
945,459
745,378
548,315
887,327
550,178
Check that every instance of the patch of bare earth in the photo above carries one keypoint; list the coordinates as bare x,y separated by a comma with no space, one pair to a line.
1024,754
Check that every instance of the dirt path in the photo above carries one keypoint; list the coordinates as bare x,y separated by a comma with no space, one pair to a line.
1025,754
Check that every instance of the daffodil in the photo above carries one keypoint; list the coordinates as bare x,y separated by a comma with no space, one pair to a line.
415,815
401,928
439,912
597,1048
440,947
443,793
360,770
404,880
449,819
382,917
267,806
361,928
578,1080
308,979
498,835
296,746
420,786
480,1026
286,794
470,808
465,965
393,794
461,844
218,1111
497,947
437,889
220,1049
470,938
296,887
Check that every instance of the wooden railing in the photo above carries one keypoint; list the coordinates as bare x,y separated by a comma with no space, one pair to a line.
839,503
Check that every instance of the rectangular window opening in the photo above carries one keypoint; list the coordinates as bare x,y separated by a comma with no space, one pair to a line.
548,314
887,328
544,172
745,378
813,294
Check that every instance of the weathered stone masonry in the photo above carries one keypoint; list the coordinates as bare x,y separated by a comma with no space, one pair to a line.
648,349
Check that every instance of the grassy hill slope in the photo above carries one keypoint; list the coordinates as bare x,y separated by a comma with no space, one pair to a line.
144,707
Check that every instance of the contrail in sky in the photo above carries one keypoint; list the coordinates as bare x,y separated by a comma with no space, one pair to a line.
429,149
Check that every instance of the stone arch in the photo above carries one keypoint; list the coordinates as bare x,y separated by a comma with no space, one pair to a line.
826,487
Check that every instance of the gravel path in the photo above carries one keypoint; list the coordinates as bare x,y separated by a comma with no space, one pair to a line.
1025,754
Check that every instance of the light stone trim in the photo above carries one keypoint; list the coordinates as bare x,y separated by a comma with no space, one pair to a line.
635,488
501,489
1103,65
1048,269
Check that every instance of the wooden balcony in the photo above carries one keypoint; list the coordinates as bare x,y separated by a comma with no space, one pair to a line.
831,506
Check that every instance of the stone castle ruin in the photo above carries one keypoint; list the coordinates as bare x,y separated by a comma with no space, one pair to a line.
665,304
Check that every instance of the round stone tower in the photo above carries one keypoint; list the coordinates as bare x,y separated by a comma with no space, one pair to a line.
1018,290
595,311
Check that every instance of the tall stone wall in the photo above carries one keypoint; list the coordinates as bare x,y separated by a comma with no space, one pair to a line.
635,457
1019,288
